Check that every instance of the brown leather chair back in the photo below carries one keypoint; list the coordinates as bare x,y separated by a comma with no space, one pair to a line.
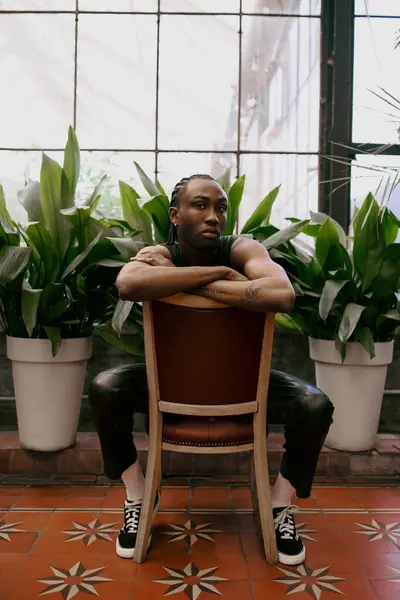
207,356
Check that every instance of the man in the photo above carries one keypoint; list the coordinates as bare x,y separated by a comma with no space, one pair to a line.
239,272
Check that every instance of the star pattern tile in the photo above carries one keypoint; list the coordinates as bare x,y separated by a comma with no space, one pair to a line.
191,532
303,532
70,583
95,530
381,531
192,581
313,582
7,528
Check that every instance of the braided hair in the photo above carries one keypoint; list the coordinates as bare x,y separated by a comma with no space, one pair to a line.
177,192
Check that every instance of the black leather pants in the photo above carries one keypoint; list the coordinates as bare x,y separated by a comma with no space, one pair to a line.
115,395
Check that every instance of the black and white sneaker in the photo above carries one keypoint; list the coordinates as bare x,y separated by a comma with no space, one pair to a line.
291,549
126,541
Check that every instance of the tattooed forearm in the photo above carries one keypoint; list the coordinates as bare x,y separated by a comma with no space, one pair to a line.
210,292
251,292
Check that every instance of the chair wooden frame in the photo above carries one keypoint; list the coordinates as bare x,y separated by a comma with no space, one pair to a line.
261,494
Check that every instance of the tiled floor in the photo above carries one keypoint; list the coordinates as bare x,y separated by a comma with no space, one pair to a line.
58,542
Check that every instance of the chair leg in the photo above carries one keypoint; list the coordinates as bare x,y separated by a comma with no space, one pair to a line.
264,501
153,472
253,486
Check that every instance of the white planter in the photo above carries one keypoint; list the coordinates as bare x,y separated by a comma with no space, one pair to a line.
48,390
355,388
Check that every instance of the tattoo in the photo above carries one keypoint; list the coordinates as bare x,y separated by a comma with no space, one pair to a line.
251,293
209,292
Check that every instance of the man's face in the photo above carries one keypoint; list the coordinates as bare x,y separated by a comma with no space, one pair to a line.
201,213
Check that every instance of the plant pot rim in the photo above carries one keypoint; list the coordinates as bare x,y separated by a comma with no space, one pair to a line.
39,350
325,351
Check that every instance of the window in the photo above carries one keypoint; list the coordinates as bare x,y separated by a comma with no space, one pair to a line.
180,86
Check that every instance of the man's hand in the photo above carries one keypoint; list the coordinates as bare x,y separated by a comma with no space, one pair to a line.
153,257
235,276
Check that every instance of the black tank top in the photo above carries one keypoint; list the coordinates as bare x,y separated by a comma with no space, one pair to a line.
222,258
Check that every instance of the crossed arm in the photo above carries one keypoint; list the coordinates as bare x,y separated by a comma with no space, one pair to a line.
256,282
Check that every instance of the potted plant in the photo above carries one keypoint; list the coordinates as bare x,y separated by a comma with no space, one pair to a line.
149,216
57,276
348,304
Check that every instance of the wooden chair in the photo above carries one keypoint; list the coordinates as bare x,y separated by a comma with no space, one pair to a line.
208,368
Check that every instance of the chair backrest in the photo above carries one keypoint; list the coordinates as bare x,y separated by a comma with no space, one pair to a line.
199,351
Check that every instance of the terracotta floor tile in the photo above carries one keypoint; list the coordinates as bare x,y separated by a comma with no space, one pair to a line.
40,491
7,501
249,522
211,497
64,520
230,567
65,543
276,591
306,502
336,498
19,542
174,498
12,490
241,497
224,544
372,498
237,590
88,490
38,566
95,502
26,501
28,521
10,564
115,498
107,590
381,567
386,590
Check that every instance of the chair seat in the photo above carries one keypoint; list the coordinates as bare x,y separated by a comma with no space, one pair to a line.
207,431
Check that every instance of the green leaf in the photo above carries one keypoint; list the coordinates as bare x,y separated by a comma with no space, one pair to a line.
369,242
283,236
329,294
310,230
29,198
94,199
44,252
29,307
55,301
112,337
79,218
235,195
392,314
327,238
225,180
365,337
13,261
71,167
351,316
81,257
127,247
51,202
148,185
387,280
262,213
120,315
157,209
133,214
287,322
390,225
5,219
318,217
54,335
160,187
